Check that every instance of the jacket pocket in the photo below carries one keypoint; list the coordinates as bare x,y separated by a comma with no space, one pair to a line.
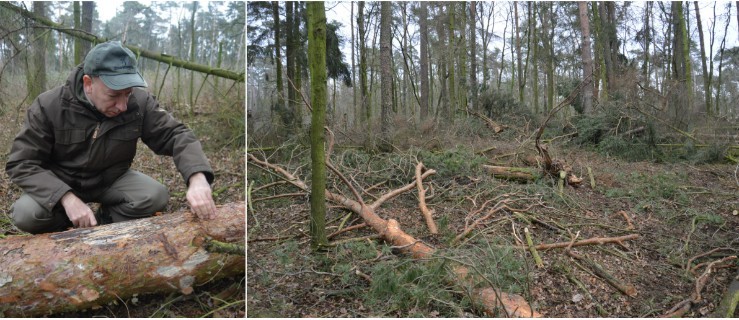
121,146
128,132
69,136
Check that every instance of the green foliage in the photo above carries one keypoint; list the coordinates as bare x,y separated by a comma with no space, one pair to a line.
651,187
450,163
411,288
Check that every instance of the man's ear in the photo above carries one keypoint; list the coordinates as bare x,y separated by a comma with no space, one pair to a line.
87,83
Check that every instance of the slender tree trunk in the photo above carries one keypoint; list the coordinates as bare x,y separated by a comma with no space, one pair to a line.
682,99
519,57
289,112
366,105
548,32
535,74
78,57
647,40
299,13
278,58
424,34
472,22
462,90
88,10
706,75
386,76
193,50
36,75
317,63
354,68
451,50
587,59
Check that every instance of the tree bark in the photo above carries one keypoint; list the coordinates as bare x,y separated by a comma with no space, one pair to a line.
87,268
587,59
317,62
386,74
424,61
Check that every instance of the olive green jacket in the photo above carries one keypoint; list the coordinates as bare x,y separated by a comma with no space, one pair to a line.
66,144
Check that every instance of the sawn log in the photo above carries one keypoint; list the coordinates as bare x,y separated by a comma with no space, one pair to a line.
87,268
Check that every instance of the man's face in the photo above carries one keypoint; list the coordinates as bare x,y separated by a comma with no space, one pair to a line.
109,102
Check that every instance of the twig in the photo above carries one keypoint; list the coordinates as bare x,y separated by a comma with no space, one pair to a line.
347,229
628,220
690,261
427,214
591,241
284,195
396,192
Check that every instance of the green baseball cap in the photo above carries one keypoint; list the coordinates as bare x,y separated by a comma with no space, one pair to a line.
115,65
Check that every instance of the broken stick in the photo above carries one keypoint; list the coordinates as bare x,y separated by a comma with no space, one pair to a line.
427,214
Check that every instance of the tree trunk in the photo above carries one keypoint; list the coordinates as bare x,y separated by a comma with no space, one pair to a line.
193,47
519,57
289,112
278,58
88,10
354,67
85,268
36,76
706,75
386,64
78,57
587,59
451,51
363,68
473,55
317,62
424,33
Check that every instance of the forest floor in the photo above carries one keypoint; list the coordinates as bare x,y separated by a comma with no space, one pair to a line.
221,298
685,216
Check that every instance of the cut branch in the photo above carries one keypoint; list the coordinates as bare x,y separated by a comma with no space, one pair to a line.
427,214
84,268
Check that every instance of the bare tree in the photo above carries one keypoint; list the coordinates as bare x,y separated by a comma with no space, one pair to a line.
386,63
424,33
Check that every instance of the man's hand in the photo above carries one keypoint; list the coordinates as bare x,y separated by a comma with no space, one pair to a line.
199,197
78,212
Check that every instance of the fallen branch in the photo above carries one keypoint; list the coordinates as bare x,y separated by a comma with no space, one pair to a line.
591,241
427,214
625,288
350,228
390,230
684,306
534,253
628,220
89,267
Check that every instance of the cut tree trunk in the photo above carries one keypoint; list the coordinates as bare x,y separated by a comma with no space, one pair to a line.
513,173
87,268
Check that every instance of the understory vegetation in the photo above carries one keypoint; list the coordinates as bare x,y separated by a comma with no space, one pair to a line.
678,198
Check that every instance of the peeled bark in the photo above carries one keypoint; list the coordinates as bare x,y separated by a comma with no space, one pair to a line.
87,268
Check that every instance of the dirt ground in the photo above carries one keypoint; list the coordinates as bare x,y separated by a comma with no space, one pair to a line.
685,216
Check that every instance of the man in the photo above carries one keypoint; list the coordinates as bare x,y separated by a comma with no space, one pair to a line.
78,143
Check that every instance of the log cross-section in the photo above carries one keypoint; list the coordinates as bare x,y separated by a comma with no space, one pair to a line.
87,268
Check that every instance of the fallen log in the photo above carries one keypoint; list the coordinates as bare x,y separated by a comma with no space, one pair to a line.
513,173
87,268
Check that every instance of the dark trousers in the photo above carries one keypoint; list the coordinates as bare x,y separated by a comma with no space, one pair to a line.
134,195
